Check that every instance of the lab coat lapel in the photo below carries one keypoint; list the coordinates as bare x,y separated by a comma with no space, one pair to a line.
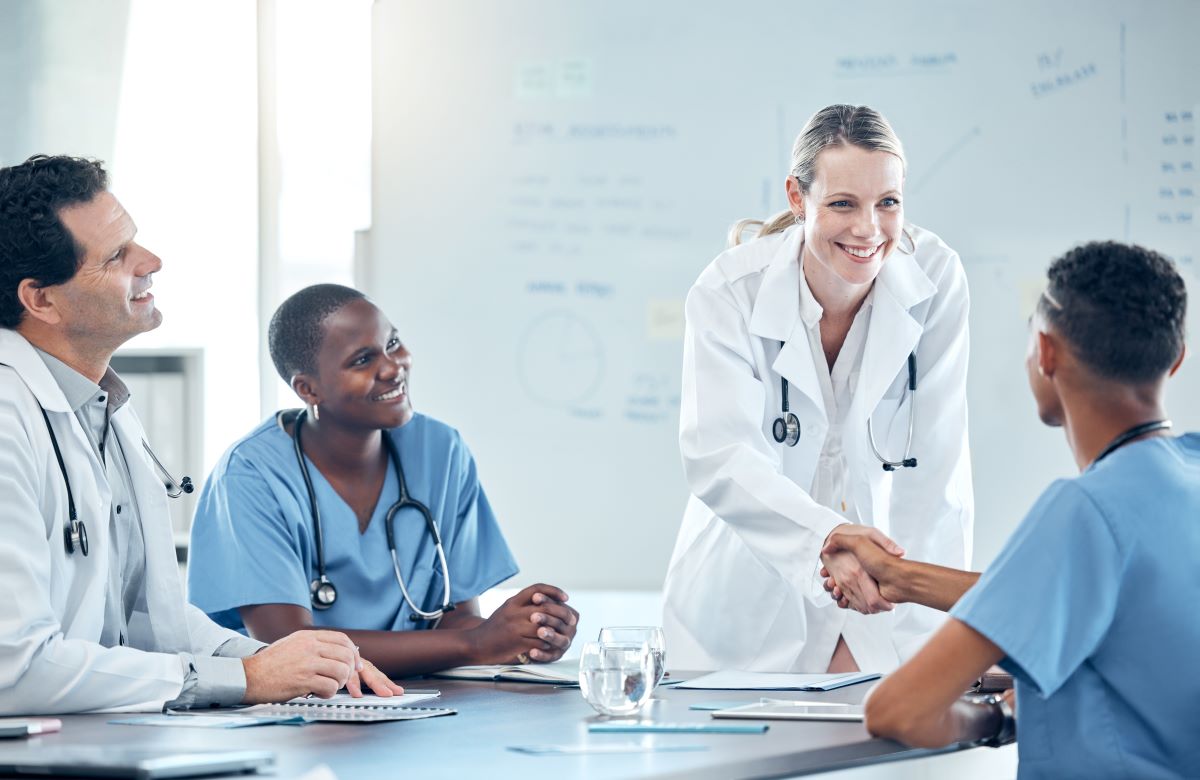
164,592
17,352
776,317
893,334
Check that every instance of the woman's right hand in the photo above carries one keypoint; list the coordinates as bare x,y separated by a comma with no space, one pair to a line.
535,623
854,583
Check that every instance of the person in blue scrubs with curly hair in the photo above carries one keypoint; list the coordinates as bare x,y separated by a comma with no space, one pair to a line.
1090,605
256,559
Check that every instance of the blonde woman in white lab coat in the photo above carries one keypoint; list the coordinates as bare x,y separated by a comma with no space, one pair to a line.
833,296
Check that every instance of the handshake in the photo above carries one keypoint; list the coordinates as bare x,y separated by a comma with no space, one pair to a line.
866,571
857,564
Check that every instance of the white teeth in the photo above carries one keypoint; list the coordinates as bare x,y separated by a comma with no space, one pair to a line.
141,295
399,391
860,252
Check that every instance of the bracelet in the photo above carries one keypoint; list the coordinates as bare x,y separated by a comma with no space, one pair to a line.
1007,732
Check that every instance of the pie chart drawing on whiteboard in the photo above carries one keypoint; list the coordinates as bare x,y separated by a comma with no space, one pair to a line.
560,359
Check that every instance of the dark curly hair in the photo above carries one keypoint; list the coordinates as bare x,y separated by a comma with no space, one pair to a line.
34,243
298,327
1121,307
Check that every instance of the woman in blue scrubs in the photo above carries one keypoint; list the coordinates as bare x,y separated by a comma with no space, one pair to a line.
255,556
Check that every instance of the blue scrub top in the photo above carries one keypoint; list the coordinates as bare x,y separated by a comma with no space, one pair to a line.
252,536
1094,600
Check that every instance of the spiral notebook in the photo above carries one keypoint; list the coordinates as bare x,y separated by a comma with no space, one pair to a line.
345,708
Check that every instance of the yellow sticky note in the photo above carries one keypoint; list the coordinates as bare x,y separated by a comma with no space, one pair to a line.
664,320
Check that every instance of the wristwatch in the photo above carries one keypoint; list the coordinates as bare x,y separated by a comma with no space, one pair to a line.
1007,733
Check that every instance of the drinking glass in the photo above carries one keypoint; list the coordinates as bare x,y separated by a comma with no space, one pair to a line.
616,679
651,635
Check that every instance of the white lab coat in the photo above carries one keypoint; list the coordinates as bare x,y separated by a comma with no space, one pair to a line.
50,657
743,589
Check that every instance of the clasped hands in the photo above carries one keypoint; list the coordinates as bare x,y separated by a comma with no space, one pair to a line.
857,567
534,625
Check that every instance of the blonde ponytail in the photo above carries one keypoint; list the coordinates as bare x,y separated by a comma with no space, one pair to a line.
776,224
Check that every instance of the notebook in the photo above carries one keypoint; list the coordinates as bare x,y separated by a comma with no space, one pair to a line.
111,761
345,708
556,673
775,681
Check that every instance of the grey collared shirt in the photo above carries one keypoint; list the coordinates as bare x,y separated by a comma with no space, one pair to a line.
208,681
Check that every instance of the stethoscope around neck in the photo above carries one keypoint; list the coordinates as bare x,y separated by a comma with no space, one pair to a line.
786,428
75,531
322,590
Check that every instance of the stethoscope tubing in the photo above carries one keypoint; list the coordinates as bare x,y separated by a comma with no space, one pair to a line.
75,532
405,501
786,427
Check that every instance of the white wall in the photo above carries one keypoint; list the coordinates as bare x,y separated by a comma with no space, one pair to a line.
165,93
551,177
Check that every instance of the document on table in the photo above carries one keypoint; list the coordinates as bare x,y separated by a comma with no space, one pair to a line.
557,673
343,708
775,681
775,709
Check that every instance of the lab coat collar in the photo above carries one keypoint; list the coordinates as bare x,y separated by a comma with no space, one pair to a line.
17,352
904,280
777,305
892,335
777,317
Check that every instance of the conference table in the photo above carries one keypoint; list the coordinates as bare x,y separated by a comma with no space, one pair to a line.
493,717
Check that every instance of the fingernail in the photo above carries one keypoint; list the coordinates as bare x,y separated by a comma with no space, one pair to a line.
538,617
359,666
544,633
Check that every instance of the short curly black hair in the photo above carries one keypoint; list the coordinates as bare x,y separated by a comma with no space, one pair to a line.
34,243
1121,307
298,327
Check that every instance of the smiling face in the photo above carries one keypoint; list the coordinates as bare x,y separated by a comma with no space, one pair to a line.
108,300
852,212
362,370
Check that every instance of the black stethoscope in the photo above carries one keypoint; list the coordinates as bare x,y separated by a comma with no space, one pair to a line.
75,532
321,590
1132,433
786,428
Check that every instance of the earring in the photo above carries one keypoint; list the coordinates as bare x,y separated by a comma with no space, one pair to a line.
799,219
316,411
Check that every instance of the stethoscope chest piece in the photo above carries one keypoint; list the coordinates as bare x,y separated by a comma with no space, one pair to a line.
786,429
323,593
75,535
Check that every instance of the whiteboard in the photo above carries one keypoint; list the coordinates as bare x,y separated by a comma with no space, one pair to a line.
550,177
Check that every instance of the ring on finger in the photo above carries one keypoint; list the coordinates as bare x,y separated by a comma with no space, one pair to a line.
522,658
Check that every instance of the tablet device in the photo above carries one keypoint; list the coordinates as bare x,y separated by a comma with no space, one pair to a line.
101,761
776,709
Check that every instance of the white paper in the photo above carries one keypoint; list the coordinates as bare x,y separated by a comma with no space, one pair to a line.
774,681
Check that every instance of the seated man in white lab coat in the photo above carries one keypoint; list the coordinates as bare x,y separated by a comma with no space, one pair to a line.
96,617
